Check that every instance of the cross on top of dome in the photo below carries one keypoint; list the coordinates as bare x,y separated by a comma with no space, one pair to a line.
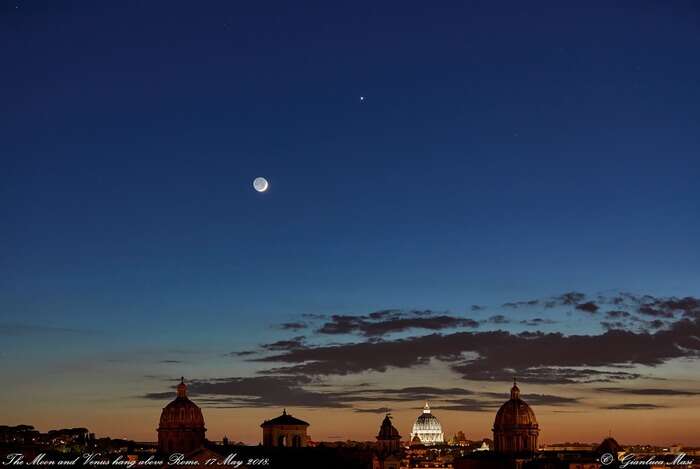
515,390
426,408
182,388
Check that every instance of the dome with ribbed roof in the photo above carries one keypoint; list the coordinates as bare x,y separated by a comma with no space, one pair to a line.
181,426
427,428
181,412
515,427
515,411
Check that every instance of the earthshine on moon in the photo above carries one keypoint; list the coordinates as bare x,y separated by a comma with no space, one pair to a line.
260,184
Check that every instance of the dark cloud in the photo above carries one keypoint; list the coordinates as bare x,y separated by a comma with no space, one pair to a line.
650,310
341,324
656,324
290,344
537,321
430,391
265,391
421,393
376,410
551,375
534,399
293,326
650,391
477,307
588,307
406,394
387,314
614,325
498,319
490,401
385,322
258,391
274,391
660,307
314,316
549,400
159,396
497,355
170,361
634,407
635,324
519,304
532,356
570,298
616,314
467,405
566,299
668,307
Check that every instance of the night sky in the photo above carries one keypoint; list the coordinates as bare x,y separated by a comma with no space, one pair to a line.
458,193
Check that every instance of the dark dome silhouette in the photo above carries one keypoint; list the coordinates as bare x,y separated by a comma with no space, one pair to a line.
609,445
387,431
515,428
388,439
181,426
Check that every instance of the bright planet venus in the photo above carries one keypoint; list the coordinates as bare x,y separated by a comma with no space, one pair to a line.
260,184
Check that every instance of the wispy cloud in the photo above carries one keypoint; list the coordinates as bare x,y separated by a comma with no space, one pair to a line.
293,326
389,321
633,406
650,391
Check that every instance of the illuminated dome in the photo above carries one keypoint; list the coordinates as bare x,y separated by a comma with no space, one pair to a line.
181,426
515,428
427,428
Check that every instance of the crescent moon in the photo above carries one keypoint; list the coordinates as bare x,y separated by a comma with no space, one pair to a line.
260,184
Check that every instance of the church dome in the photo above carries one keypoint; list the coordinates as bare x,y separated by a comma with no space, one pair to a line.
387,431
388,439
181,412
515,428
427,428
514,412
609,445
181,426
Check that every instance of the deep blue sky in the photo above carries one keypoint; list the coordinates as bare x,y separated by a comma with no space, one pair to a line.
504,150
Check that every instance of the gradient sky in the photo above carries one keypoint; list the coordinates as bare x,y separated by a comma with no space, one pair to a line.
503,152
